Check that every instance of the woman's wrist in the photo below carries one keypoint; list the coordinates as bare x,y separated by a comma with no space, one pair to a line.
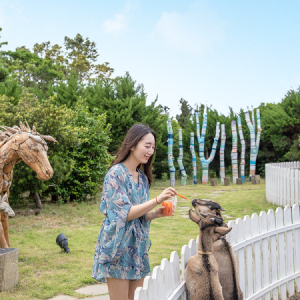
158,200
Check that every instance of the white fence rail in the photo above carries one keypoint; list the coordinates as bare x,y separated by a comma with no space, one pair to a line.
267,249
283,183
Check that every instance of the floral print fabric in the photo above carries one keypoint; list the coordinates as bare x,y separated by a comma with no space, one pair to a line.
122,247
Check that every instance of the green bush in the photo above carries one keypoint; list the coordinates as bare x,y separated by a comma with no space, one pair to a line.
90,157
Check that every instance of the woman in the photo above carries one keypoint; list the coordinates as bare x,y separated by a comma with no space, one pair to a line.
121,256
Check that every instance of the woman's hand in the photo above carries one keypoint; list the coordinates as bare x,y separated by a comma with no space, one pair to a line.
159,212
166,195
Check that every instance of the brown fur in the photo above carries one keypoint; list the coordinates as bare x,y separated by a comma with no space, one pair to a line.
201,273
223,253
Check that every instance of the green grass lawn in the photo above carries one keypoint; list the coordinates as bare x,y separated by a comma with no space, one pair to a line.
46,271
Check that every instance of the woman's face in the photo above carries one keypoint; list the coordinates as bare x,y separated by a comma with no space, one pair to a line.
144,149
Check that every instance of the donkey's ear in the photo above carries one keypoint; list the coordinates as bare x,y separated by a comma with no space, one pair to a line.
222,230
194,217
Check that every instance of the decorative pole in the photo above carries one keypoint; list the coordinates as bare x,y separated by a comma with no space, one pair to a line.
201,140
192,147
254,144
234,153
170,152
222,150
180,159
242,163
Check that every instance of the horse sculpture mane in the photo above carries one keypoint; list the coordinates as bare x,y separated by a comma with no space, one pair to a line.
9,132
16,144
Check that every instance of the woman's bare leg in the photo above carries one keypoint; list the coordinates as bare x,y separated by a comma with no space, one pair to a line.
133,284
118,288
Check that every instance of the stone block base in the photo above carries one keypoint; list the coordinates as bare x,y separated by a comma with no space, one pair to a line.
226,181
239,181
255,179
213,182
9,269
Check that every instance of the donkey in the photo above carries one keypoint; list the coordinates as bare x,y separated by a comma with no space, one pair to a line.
201,273
223,253
17,144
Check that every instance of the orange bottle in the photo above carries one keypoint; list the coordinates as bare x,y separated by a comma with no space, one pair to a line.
168,206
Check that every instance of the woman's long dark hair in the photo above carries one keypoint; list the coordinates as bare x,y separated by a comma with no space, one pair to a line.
132,138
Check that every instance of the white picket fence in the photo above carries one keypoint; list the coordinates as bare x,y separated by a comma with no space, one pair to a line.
283,183
267,249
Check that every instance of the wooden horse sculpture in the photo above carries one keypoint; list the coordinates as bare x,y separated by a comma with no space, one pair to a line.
17,144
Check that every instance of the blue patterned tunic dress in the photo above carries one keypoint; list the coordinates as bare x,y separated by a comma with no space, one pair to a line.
122,247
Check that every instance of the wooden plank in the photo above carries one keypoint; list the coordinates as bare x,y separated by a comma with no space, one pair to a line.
149,288
275,186
296,220
231,236
159,286
276,197
272,286
265,252
281,253
241,253
185,255
272,183
167,277
281,188
292,187
284,188
175,269
297,192
273,255
289,250
177,292
267,176
192,247
139,294
249,259
288,188
257,254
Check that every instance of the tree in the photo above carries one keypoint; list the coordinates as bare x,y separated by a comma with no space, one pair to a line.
11,88
186,113
281,124
2,43
124,102
33,72
82,55
49,119
68,92
91,159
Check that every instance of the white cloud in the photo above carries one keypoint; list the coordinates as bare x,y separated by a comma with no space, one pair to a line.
9,13
116,25
193,32
119,23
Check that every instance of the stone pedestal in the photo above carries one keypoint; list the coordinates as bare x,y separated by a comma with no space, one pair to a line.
9,269
255,179
213,181
239,181
226,181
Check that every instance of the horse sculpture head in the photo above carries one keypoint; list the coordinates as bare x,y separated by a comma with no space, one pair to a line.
29,146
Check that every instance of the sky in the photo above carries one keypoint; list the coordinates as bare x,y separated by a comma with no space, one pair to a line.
224,53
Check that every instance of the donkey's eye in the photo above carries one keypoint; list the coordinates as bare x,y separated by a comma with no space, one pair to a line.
35,149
